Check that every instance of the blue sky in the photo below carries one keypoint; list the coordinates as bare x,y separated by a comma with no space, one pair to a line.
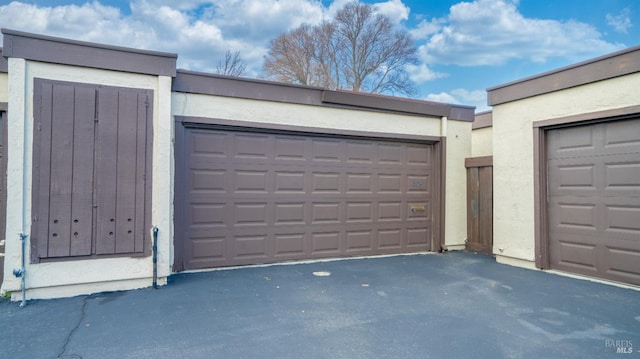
465,46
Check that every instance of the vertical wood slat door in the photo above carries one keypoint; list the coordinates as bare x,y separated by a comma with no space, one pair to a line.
121,141
251,197
593,209
479,205
91,156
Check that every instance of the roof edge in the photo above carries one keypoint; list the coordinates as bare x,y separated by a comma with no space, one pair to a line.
482,120
212,84
615,64
4,64
58,50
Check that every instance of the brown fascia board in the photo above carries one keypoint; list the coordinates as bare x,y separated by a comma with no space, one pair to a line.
4,64
218,85
616,64
482,120
239,87
56,50
400,105
461,113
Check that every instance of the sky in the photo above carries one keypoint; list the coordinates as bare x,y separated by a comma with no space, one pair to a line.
464,46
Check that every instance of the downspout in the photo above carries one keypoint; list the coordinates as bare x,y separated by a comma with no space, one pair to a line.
22,271
155,257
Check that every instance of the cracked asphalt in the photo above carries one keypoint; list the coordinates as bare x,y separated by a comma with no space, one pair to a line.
453,305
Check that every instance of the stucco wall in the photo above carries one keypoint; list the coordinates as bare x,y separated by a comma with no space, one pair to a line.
458,148
458,135
4,88
56,279
482,142
513,155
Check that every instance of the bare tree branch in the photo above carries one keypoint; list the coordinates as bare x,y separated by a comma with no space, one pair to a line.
233,65
359,50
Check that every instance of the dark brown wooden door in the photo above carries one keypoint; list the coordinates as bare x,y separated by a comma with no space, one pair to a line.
92,155
594,199
249,197
479,205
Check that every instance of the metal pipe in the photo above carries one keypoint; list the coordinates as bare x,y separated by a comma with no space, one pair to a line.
22,271
155,257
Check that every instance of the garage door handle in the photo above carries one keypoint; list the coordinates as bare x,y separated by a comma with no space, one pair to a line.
415,209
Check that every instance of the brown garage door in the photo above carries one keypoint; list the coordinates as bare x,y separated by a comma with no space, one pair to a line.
255,197
594,199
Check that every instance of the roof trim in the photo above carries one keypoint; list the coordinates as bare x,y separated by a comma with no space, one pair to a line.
485,161
87,54
218,85
4,64
612,65
482,120
617,113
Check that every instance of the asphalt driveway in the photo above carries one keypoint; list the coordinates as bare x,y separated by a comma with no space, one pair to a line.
453,305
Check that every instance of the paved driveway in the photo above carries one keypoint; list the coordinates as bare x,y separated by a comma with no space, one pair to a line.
454,305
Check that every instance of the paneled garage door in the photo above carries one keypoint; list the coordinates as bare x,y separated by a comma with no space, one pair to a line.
594,199
253,197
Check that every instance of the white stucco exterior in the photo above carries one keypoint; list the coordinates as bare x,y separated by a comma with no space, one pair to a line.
482,142
4,88
280,113
513,155
68,278
76,277
458,148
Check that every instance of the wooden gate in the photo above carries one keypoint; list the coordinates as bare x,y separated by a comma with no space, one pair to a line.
479,204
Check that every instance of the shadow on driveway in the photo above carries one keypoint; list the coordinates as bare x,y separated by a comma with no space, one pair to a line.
454,305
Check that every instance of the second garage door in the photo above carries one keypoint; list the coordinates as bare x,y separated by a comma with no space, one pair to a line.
252,197
594,199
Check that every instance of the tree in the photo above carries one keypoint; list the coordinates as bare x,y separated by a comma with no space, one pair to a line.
294,60
359,50
233,65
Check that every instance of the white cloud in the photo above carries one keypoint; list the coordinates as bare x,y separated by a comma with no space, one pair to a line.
492,32
262,20
621,22
200,31
474,96
460,96
441,97
426,28
89,22
421,73
395,10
